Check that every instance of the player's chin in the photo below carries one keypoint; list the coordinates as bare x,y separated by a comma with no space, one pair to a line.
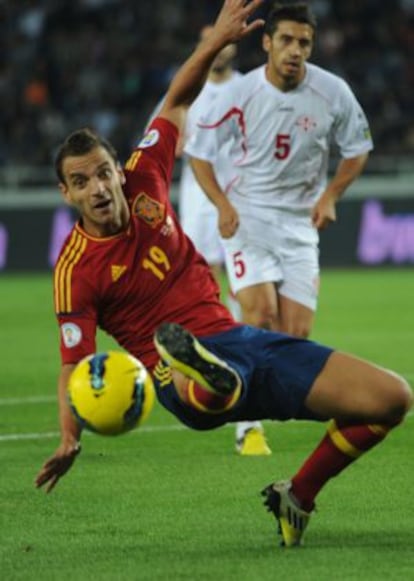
105,216
292,75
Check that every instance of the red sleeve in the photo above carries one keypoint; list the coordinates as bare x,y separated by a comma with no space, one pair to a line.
74,299
151,164
77,337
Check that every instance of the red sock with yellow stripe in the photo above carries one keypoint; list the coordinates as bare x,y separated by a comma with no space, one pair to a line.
341,446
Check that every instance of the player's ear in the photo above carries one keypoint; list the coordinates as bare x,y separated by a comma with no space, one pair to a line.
266,42
120,171
65,193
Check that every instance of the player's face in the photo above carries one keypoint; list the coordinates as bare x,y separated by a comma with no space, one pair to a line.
93,185
288,50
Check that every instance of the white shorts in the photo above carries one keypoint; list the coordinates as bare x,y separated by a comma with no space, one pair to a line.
283,250
202,229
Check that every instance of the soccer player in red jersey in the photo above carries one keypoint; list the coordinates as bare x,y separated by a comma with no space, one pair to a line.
128,268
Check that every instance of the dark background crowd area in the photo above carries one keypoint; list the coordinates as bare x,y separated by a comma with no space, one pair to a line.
105,63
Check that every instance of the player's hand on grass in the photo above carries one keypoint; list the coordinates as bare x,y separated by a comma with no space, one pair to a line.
56,466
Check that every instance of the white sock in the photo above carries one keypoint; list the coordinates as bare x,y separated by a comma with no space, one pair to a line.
242,427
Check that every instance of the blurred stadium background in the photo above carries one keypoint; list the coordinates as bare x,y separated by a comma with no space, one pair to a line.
105,63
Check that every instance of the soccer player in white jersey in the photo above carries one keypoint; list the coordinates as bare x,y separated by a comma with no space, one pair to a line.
280,119
198,215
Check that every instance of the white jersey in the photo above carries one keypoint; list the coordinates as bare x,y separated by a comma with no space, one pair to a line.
192,199
280,141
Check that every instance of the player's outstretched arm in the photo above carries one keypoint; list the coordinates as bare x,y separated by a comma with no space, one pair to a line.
61,461
231,26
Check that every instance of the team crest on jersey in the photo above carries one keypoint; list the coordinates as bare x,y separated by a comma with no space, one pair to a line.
150,139
149,210
306,123
71,334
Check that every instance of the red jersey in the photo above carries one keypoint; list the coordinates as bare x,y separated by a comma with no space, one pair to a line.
130,283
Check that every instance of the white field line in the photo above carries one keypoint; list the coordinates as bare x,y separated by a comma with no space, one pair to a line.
143,429
48,435
28,400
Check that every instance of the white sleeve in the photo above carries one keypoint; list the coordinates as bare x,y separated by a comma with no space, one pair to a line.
216,127
351,129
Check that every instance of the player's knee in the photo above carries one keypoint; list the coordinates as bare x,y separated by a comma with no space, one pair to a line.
400,400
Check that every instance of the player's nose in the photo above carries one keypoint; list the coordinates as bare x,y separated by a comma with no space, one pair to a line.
97,185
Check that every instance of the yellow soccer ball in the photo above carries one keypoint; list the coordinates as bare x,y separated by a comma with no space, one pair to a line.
110,393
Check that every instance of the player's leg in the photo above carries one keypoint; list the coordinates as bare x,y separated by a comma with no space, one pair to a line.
259,305
366,402
249,272
198,218
201,379
252,271
298,291
250,437
295,318
290,309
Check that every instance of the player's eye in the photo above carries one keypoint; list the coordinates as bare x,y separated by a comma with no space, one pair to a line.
79,182
105,174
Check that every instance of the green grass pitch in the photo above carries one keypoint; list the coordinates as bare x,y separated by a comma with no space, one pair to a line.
166,503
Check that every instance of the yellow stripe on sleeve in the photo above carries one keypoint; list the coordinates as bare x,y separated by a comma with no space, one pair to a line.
60,266
80,249
63,272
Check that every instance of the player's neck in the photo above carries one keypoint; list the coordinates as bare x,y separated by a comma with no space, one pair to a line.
108,229
283,83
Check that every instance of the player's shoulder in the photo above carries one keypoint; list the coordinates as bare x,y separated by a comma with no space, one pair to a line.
322,81
254,77
245,85
72,252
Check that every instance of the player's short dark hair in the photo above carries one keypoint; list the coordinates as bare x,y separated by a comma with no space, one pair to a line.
296,11
80,142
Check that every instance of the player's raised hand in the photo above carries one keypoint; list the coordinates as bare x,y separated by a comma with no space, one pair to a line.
232,22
